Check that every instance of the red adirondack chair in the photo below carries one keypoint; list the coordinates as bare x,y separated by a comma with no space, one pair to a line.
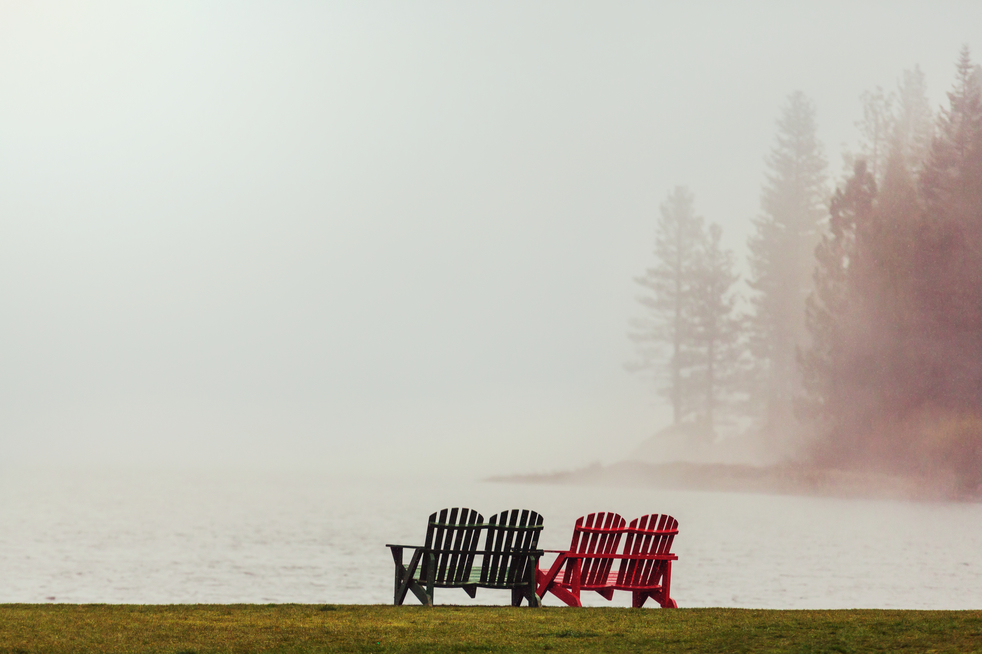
586,564
645,562
646,569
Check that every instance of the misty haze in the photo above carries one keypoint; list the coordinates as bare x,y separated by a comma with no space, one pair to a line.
277,274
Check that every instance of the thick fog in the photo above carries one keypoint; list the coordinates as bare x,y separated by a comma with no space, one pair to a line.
371,236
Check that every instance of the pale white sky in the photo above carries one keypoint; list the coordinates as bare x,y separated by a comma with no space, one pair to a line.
371,236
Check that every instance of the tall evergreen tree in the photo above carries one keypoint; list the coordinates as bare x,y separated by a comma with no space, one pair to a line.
889,265
949,250
716,328
876,130
899,122
836,315
913,126
667,324
782,259
953,169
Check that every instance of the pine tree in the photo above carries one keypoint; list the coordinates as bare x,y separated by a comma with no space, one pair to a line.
913,127
782,259
836,315
949,249
667,324
716,328
876,130
899,122
954,166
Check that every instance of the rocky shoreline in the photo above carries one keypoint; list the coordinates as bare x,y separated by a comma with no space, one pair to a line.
782,479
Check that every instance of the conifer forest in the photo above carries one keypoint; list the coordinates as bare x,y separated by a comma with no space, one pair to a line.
852,335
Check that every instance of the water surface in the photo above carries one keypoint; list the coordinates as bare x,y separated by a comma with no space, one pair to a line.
156,537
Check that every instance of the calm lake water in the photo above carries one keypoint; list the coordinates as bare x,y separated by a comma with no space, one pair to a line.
309,538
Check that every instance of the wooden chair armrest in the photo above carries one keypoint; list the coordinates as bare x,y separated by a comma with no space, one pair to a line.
635,557
397,552
600,555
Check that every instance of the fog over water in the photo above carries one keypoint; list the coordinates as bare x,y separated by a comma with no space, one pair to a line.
313,538
374,237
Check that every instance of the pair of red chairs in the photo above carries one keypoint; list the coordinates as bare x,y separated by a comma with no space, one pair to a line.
642,551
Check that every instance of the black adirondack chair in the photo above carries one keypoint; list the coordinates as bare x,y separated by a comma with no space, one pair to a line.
508,557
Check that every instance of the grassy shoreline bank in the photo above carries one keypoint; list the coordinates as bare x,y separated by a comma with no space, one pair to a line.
302,628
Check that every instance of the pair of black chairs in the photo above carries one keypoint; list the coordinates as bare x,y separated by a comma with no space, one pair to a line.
462,550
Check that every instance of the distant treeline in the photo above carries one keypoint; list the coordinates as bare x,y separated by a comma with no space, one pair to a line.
859,341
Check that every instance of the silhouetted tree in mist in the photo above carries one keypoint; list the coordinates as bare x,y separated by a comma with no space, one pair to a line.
717,329
782,261
913,121
690,330
876,130
667,324
835,313
897,123
949,249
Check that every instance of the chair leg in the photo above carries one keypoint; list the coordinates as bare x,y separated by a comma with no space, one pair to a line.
404,581
577,571
532,579
527,593
430,579
666,588
567,597
420,593
400,574
570,596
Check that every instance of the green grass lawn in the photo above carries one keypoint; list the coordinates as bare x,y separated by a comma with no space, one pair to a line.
310,628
